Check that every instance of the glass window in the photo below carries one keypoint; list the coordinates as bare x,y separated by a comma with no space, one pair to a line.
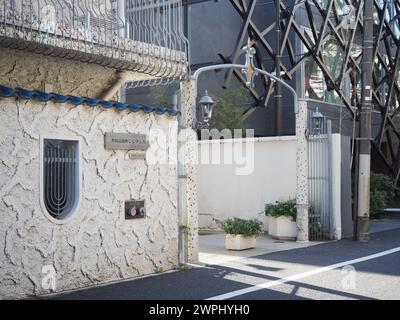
390,15
339,4
314,79
333,56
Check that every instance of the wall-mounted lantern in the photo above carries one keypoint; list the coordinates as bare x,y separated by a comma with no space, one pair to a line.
207,104
317,120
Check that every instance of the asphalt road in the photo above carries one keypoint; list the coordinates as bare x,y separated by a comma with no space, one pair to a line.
293,274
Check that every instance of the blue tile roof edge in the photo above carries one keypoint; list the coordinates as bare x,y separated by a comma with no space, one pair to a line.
92,102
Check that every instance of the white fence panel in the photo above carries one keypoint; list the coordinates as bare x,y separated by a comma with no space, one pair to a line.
263,174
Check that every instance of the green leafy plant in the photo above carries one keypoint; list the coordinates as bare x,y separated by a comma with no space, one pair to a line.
184,225
378,202
382,192
236,226
158,270
162,95
229,108
383,182
282,208
184,268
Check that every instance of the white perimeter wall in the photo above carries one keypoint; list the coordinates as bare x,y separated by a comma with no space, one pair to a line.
223,193
97,245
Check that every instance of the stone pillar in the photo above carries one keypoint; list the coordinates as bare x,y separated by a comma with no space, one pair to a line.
302,173
188,177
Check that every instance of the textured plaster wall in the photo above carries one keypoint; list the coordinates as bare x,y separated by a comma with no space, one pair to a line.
98,244
32,71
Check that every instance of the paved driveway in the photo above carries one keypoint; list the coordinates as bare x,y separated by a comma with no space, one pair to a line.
334,270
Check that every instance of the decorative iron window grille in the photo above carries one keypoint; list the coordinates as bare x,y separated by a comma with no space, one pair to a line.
60,177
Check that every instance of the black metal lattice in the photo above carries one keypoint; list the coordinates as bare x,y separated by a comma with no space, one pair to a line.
325,21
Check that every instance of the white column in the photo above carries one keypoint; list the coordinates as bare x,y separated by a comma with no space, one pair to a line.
336,174
188,180
302,173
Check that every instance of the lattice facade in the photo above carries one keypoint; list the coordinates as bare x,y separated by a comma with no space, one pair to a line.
323,40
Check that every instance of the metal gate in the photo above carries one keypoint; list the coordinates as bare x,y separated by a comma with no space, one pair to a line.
319,176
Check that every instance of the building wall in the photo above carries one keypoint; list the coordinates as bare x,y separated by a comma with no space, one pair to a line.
222,193
70,77
98,245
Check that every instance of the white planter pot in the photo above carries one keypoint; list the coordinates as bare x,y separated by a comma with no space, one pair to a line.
282,228
239,242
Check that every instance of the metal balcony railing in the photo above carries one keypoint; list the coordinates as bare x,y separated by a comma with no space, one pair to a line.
136,35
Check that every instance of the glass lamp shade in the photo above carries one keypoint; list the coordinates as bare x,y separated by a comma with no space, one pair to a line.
317,121
207,104
207,112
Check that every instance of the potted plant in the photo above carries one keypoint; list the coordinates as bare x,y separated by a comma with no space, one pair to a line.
241,234
282,220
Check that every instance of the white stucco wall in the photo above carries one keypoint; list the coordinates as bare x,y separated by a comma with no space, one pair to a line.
336,218
223,193
98,244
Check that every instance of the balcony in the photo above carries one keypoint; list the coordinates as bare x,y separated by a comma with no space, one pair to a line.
144,36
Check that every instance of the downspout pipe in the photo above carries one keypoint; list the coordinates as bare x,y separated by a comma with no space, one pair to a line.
182,176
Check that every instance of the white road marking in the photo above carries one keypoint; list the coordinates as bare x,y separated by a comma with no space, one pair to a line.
198,266
269,284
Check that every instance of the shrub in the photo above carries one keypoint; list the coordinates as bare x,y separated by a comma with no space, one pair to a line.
247,228
382,192
282,208
382,182
378,202
229,108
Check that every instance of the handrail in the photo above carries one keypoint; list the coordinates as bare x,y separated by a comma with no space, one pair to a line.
146,35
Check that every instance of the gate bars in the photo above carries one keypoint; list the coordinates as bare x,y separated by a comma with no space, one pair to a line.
320,180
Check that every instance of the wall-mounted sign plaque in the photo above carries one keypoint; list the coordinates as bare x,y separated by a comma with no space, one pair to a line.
125,141
137,155
134,209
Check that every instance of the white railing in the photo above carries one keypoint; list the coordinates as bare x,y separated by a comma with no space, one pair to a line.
139,35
